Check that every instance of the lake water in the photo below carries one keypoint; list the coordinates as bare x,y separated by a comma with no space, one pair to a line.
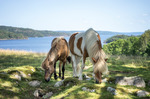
35,44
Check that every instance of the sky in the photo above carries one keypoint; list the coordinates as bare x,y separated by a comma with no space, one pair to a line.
104,15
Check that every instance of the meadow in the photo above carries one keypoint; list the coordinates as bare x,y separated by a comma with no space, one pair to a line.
29,63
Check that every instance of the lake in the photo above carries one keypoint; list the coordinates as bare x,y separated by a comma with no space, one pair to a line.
36,44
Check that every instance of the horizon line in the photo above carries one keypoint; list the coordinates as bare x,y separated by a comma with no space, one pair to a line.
69,30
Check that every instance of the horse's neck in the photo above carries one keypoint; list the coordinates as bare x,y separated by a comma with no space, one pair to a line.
53,55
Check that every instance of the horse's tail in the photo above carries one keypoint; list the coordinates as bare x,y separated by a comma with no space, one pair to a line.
69,59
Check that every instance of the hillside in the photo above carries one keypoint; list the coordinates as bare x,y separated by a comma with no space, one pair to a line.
19,68
8,32
116,37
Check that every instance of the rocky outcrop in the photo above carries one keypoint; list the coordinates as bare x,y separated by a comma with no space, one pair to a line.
112,90
142,93
34,83
135,80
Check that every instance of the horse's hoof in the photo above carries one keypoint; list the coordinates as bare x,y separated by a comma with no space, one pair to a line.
97,82
55,77
62,78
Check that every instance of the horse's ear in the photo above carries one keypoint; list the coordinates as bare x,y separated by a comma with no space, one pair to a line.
94,60
106,59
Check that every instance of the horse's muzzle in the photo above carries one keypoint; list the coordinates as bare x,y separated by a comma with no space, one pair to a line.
47,80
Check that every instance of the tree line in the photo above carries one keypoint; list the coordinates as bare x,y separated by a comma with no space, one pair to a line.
7,32
139,45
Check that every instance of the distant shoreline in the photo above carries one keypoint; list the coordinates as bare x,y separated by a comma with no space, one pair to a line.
33,37
14,39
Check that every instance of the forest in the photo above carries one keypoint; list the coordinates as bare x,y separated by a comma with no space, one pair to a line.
139,45
8,32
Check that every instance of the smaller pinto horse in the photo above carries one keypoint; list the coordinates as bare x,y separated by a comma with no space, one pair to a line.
88,44
59,51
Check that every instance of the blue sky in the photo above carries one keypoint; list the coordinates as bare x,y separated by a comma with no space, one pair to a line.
107,15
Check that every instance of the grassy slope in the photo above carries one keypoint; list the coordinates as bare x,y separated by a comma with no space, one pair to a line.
29,63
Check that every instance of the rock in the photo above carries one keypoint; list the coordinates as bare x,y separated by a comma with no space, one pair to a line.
104,80
29,74
38,93
59,83
135,80
69,84
148,83
48,95
34,83
92,90
112,90
33,70
86,89
17,76
142,93
23,74
86,77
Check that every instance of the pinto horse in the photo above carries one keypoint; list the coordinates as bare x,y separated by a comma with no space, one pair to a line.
88,44
59,51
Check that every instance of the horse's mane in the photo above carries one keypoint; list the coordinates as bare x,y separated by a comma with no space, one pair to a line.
56,40
94,48
93,44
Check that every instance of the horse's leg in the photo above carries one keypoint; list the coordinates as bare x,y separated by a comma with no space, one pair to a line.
55,75
60,69
74,65
63,70
78,65
81,70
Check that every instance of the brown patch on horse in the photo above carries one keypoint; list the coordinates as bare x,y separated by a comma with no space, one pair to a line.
85,54
94,60
99,42
71,43
98,77
79,44
99,37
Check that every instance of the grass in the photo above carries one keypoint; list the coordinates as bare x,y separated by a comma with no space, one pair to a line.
28,63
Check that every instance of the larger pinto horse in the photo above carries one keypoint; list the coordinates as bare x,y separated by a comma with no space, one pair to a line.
87,44
59,51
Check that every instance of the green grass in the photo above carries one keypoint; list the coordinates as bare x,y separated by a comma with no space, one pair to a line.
12,62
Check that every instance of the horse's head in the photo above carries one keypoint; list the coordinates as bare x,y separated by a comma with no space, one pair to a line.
48,66
100,67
